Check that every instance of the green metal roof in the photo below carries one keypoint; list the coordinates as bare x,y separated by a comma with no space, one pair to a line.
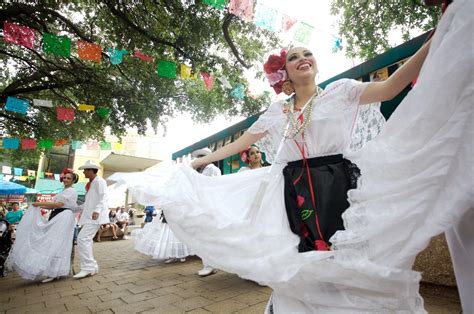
363,70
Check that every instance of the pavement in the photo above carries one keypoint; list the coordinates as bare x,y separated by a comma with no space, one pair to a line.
129,282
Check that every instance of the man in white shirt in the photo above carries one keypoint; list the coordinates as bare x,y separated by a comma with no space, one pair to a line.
94,213
123,219
209,170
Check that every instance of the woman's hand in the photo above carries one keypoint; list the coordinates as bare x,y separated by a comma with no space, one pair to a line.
199,163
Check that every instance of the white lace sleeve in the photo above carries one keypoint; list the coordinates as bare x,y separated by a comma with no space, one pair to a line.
367,126
366,120
348,91
268,119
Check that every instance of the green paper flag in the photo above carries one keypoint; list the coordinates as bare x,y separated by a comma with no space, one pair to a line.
57,45
105,145
218,4
41,174
46,144
103,112
166,69
303,33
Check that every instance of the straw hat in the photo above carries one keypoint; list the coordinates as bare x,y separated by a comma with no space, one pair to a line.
90,164
201,152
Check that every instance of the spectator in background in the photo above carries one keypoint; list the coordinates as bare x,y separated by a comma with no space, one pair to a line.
122,221
3,210
104,227
15,214
131,214
149,213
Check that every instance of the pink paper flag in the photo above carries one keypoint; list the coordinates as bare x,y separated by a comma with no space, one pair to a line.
92,145
288,22
18,34
28,143
208,80
143,57
65,114
242,9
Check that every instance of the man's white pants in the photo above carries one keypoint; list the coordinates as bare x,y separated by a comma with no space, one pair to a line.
460,240
84,247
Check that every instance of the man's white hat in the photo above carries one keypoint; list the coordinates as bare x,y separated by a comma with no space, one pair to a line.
201,152
90,164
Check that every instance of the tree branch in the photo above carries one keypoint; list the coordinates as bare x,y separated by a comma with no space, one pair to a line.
17,119
225,28
140,30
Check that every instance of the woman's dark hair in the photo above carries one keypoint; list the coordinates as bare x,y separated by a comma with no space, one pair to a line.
75,177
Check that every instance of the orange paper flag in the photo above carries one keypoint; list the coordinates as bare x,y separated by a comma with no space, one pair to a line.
89,51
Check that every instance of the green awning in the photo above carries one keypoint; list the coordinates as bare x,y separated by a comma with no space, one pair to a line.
50,186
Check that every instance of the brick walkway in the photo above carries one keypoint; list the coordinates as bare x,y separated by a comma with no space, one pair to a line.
129,282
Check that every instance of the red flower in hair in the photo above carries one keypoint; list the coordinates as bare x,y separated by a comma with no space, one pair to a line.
275,70
64,172
244,155
275,62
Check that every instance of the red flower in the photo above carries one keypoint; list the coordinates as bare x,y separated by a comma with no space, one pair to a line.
299,200
275,62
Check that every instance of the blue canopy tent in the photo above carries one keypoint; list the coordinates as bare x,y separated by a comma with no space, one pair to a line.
9,188
11,192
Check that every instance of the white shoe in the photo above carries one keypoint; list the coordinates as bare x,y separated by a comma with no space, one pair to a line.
182,260
170,260
206,271
83,274
125,237
49,279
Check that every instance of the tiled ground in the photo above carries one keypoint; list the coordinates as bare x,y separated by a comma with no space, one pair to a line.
129,282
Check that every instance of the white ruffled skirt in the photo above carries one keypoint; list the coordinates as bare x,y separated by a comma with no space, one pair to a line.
158,241
42,249
416,182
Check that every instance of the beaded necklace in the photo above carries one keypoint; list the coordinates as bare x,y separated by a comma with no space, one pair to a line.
297,125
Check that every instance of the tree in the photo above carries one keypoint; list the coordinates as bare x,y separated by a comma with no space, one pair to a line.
184,31
366,24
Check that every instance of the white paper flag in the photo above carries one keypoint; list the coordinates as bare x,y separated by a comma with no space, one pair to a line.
42,103
224,82
6,170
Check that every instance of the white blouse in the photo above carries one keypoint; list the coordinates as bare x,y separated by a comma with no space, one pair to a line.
68,197
329,131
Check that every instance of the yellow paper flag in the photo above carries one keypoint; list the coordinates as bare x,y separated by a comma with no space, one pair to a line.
185,72
83,107
117,146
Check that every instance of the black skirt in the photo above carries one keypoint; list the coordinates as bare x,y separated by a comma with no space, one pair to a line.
56,212
329,178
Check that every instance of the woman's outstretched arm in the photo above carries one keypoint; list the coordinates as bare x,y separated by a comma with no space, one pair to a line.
233,148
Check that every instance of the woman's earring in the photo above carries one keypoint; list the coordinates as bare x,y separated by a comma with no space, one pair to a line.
288,88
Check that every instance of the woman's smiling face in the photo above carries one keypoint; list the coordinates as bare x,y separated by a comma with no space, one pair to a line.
301,65
254,155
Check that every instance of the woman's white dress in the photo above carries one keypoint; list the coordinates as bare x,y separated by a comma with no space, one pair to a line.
43,248
416,182
158,241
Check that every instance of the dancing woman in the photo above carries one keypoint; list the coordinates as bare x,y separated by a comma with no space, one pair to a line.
43,249
399,204
252,157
